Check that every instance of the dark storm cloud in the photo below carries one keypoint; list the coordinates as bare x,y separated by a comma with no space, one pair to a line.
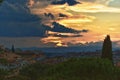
49,15
84,30
69,2
62,15
60,28
17,21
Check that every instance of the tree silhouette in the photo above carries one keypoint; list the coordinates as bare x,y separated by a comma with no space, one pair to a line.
1,1
107,49
13,49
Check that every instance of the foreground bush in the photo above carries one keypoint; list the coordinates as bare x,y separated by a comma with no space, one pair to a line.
3,74
73,69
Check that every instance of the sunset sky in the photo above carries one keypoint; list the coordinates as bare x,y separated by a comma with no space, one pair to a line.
55,23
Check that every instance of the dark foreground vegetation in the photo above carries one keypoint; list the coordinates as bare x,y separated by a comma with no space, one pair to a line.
71,69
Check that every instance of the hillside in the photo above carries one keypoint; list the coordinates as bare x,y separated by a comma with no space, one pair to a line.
71,69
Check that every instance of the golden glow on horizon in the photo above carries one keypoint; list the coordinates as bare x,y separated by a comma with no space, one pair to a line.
59,45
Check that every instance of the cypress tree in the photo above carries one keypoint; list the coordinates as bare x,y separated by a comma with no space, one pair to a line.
1,1
13,49
107,49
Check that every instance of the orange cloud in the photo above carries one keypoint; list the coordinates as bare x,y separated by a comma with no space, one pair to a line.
31,3
88,7
78,19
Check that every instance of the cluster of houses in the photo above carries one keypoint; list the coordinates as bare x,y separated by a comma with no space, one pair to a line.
18,60
21,58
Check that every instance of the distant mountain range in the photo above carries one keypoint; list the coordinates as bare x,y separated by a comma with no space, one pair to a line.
65,49
87,47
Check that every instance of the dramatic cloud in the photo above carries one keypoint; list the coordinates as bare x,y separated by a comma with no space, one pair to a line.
103,1
76,19
115,3
31,3
21,23
86,6
64,36
69,2
58,30
49,15
17,21
93,8
62,15
60,22
56,27
106,2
